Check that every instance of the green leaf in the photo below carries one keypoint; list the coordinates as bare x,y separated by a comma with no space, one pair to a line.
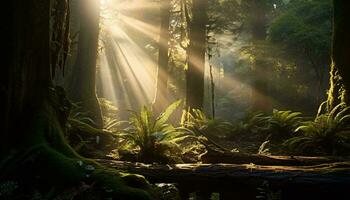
164,117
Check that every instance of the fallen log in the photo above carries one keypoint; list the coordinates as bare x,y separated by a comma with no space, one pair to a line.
294,182
219,156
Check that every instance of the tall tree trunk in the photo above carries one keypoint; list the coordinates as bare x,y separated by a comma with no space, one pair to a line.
161,99
258,10
82,89
196,55
26,64
340,69
34,153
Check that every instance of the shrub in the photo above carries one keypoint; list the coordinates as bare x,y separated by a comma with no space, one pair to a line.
252,125
156,139
281,124
199,122
327,134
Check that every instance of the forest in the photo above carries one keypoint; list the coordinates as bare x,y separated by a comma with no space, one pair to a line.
175,100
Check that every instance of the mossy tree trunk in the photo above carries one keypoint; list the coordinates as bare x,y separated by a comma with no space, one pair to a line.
196,55
27,66
340,68
161,98
83,87
34,153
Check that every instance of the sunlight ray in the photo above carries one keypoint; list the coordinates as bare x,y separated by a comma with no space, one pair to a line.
231,83
137,5
133,69
107,86
149,30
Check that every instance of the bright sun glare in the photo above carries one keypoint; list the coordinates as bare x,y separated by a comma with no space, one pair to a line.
127,72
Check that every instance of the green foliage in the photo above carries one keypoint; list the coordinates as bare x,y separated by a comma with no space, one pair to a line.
261,133
77,114
156,139
87,140
109,111
252,123
282,124
198,121
305,26
327,134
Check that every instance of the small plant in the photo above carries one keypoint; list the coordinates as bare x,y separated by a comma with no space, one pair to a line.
251,127
282,124
327,134
86,139
253,123
156,139
197,120
263,150
258,132
77,114
113,125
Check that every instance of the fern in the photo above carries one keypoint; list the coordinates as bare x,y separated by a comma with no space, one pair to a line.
327,134
157,140
253,125
282,124
199,121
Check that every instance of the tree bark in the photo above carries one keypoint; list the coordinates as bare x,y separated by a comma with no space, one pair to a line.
26,63
161,99
83,87
340,68
196,55
34,153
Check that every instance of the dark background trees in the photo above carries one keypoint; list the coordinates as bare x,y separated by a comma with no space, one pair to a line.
82,90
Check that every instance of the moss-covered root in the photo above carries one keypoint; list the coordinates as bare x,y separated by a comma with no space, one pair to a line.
43,161
44,169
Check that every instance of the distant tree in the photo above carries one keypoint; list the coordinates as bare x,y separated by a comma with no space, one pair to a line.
161,98
82,89
196,55
255,18
339,91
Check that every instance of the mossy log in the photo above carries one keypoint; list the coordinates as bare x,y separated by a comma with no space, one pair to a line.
220,156
242,180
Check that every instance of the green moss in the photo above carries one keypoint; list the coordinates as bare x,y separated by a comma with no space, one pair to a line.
44,160
336,90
